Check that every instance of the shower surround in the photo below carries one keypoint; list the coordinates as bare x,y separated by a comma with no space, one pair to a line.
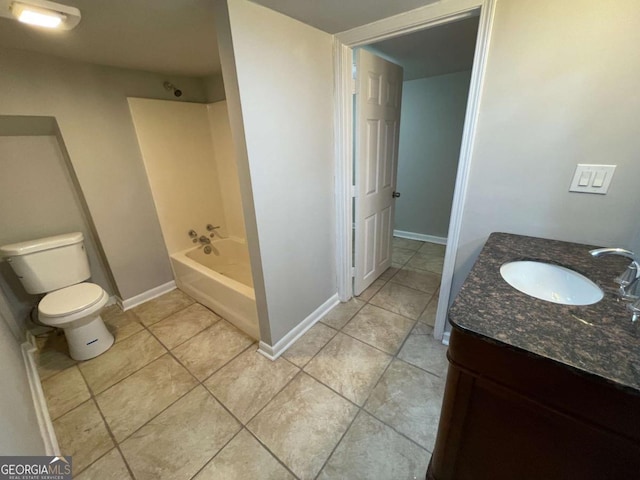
189,159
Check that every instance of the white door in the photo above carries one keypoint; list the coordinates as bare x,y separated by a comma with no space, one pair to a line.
377,125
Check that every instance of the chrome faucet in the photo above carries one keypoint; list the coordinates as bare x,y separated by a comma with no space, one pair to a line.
204,240
629,280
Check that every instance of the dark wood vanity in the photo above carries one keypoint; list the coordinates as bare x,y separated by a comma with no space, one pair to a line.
537,390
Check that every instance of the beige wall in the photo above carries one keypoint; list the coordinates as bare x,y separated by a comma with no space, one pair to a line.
90,105
433,111
175,139
19,430
38,199
214,88
279,85
227,168
561,88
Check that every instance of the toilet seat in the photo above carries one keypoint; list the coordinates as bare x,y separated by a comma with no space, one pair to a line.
71,303
70,300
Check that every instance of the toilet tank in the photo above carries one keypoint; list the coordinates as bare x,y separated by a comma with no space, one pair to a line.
50,263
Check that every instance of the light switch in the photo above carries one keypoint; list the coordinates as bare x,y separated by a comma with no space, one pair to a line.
592,178
585,177
598,180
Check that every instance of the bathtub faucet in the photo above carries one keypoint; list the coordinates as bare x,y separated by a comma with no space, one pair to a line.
204,240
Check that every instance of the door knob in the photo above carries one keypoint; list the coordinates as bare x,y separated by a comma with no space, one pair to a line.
395,194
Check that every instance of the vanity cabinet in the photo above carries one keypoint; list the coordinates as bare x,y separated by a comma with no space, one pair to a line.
509,415
537,390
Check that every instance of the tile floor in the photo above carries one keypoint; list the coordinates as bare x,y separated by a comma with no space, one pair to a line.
184,395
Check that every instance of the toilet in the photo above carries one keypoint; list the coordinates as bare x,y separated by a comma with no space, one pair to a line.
58,266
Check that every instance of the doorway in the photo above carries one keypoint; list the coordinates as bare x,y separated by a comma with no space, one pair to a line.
421,19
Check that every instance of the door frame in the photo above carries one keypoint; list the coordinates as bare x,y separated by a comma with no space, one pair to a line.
439,13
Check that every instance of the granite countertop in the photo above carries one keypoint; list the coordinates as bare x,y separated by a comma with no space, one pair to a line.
598,340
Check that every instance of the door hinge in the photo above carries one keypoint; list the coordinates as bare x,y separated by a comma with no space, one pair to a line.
353,272
353,191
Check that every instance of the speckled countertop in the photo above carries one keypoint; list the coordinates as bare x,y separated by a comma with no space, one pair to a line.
597,340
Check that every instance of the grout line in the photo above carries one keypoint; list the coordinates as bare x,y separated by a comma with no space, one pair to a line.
281,462
335,447
243,424
217,453
116,445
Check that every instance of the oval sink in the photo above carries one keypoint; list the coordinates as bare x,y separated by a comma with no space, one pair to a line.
552,283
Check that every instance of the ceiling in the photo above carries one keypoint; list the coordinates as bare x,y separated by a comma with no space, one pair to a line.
178,36
164,36
335,16
435,51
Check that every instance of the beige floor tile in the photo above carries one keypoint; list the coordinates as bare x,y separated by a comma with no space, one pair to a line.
427,282
129,404
109,467
65,392
400,256
379,328
370,449
242,459
155,310
429,314
407,243
402,300
121,324
121,360
424,351
181,326
309,344
371,290
426,262
212,348
409,400
52,356
181,440
83,435
342,313
349,367
432,249
303,424
389,273
249,382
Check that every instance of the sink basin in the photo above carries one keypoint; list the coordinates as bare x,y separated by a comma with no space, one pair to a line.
552,283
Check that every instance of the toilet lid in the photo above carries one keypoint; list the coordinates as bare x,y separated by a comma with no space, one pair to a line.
70,300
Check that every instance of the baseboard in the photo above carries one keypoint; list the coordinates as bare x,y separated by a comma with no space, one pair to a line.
47,431
445,338
273,352
129,303
420,236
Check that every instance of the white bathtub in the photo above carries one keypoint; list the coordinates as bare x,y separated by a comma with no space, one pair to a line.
220,280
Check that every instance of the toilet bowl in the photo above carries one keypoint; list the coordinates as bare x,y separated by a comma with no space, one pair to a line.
76,309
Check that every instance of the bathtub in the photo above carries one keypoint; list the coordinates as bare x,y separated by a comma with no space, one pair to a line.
221,281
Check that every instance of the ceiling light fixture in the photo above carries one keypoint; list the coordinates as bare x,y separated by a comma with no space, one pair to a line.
46,14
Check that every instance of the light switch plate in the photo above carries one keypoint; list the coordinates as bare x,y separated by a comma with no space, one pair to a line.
599,178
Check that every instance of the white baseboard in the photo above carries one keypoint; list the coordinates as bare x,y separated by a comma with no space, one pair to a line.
129,303
273,352
47,431
445,338
420,236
